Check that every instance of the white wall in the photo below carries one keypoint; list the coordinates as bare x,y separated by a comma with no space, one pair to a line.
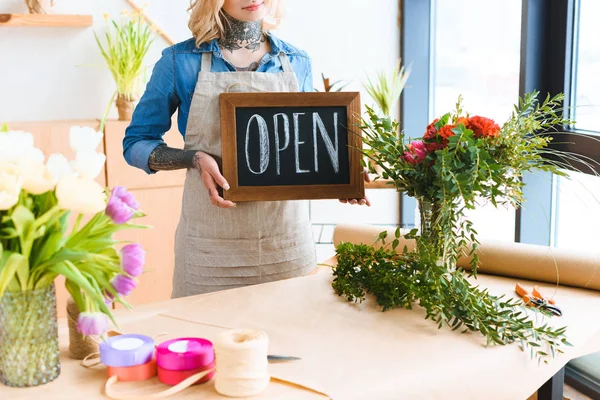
58,73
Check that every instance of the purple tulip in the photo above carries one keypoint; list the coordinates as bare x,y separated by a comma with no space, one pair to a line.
123,284
91,323
133,258
126,197
118,210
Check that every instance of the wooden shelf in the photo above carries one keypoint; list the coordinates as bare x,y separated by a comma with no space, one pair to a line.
46,20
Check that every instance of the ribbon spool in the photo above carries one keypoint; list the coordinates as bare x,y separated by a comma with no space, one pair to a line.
241,359
178,359
129,357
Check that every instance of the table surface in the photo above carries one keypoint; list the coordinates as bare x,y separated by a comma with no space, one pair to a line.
349,351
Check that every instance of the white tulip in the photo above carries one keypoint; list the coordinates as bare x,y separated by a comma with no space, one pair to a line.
79,195
82,138
10,185
37,179
88,164
58,166
15,144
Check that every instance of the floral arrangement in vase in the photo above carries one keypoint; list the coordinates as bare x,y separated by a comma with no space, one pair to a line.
38,242
127,41
459,159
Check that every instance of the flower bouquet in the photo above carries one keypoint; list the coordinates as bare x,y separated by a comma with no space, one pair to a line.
37,244
459,159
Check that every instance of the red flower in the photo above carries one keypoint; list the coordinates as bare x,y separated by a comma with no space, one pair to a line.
433,146
446,131
462,120
483,127
430,132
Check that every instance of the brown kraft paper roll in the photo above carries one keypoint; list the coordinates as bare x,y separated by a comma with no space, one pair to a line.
539,263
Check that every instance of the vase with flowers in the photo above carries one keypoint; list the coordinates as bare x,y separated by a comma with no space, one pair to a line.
38,243
459,159
127,41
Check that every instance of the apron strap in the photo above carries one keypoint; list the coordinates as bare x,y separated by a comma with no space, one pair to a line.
206,62
285,63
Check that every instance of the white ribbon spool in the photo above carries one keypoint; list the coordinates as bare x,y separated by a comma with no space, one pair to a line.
241,362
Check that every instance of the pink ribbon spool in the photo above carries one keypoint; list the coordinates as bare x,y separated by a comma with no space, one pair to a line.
185,354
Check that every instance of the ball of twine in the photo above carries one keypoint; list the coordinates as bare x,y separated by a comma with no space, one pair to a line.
79,346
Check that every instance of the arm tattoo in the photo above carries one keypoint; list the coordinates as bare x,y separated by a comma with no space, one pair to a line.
241,34
165,158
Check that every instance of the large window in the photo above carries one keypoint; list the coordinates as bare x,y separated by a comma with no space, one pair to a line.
577,211
587,66
484,69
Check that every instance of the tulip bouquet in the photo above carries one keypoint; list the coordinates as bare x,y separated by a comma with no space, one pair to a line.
39,241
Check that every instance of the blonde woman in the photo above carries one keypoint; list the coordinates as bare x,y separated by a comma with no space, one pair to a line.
221,245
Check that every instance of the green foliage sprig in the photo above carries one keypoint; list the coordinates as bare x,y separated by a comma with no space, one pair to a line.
404,279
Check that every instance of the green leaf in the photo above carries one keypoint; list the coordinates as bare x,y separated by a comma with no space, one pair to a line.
4,128
10,265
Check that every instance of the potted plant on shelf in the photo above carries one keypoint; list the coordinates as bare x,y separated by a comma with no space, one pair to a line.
37,244
39,6
459,159
127,42
386,90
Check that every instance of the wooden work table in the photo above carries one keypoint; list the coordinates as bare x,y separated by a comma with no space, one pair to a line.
349,351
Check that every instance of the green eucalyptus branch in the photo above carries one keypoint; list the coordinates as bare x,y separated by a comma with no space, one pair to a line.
403,279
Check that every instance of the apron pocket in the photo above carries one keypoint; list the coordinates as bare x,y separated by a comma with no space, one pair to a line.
212,252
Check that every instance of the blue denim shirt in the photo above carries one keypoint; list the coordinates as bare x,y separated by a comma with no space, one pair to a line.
172,85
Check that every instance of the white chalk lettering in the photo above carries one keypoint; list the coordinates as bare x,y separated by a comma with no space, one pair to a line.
286,133
332,150
263,141
297,144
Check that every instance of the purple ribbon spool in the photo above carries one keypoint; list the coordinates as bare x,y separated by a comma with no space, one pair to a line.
127,350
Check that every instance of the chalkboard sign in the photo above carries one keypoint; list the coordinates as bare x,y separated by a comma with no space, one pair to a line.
291,146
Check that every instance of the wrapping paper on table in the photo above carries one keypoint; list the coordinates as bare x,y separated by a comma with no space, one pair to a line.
356,352
539,263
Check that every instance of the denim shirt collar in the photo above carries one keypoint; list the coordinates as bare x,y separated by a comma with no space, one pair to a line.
277,46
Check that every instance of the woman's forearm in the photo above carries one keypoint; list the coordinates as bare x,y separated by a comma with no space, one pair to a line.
164,158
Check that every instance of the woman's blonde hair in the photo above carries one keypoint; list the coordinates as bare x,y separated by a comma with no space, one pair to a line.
206,18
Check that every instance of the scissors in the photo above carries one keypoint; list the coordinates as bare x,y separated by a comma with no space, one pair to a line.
536,299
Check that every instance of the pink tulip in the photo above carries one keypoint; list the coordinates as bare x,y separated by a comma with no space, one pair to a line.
91,323
121,205
123,284
133,258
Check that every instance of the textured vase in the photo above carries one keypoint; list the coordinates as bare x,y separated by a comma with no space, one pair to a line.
125,108
29,352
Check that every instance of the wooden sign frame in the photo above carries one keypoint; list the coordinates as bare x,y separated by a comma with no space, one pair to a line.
229,102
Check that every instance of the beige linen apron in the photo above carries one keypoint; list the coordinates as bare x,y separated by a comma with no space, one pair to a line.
256,242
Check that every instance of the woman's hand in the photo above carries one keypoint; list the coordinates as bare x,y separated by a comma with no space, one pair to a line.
208,168
360,202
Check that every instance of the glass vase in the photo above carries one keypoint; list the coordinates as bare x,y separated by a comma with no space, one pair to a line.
29,352
431,233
